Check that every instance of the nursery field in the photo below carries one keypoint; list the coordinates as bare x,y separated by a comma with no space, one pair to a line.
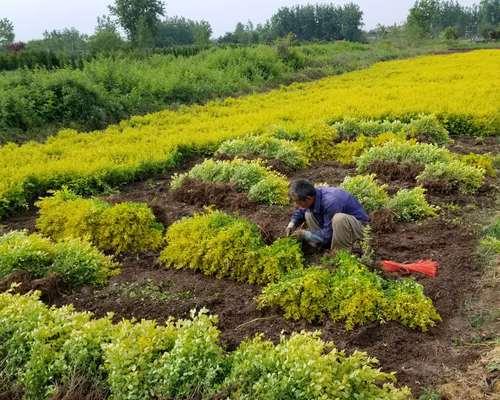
149,260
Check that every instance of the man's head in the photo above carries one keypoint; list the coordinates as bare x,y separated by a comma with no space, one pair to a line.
302,193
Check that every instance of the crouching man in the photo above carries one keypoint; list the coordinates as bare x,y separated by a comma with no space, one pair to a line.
333,217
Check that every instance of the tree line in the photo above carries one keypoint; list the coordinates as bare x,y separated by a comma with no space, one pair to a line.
143,25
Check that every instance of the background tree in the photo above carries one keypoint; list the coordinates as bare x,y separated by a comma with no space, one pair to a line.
69,41
139,19
181,31
106,38
6,32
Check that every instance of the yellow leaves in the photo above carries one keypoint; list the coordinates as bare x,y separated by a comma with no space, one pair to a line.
397,88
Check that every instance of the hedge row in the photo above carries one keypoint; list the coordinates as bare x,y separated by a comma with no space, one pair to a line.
76,262
145,145
44,349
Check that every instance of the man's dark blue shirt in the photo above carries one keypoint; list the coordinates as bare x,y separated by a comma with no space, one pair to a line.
328,202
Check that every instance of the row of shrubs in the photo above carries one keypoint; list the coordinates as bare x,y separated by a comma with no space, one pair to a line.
265,147
228,246
407,204
43,350
350,293
142,146
439,167
75,261
262,184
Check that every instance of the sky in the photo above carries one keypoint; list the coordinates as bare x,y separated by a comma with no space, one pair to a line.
32,17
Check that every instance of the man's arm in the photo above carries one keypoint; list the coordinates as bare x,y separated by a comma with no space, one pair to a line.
325,234
298,217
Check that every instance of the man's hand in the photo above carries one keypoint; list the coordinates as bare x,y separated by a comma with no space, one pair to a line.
289,229
301,234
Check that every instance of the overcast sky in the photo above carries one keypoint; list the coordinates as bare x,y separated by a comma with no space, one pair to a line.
32,17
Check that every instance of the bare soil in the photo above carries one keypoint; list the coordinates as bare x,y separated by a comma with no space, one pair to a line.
420,359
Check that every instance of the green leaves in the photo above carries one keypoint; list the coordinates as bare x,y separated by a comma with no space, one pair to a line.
411,205
74,260
42,348
262,184
367,191
451,176
264,147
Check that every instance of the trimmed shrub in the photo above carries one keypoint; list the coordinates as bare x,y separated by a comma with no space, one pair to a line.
265,147
301,294
75,261
407,304
452,176
367,191
79,263
227,246
42,348
125,227
262,184
303,367
403,152
427,128
346,151
128,227
411,205
65,214
22,252
483,161
351,293
351,128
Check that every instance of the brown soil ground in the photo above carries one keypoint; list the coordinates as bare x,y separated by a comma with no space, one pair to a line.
420,359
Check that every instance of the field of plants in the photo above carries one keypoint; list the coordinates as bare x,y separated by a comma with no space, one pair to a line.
148,260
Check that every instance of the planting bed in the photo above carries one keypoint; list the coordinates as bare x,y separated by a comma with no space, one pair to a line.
145,289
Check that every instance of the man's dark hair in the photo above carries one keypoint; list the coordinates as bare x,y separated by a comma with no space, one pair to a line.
301,189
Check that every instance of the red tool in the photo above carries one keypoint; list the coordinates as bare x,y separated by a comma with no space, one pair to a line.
426,267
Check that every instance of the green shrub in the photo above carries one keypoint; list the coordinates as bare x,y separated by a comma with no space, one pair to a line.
265,147
411,205
489,243
75,261
125,227
195,364
351,293
131,354
347,151
227,246
78,263
351,128
357,294
22,252
427,128
403,152
367,191
262,184
42,348
302,294
303,367
484,161
452,175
